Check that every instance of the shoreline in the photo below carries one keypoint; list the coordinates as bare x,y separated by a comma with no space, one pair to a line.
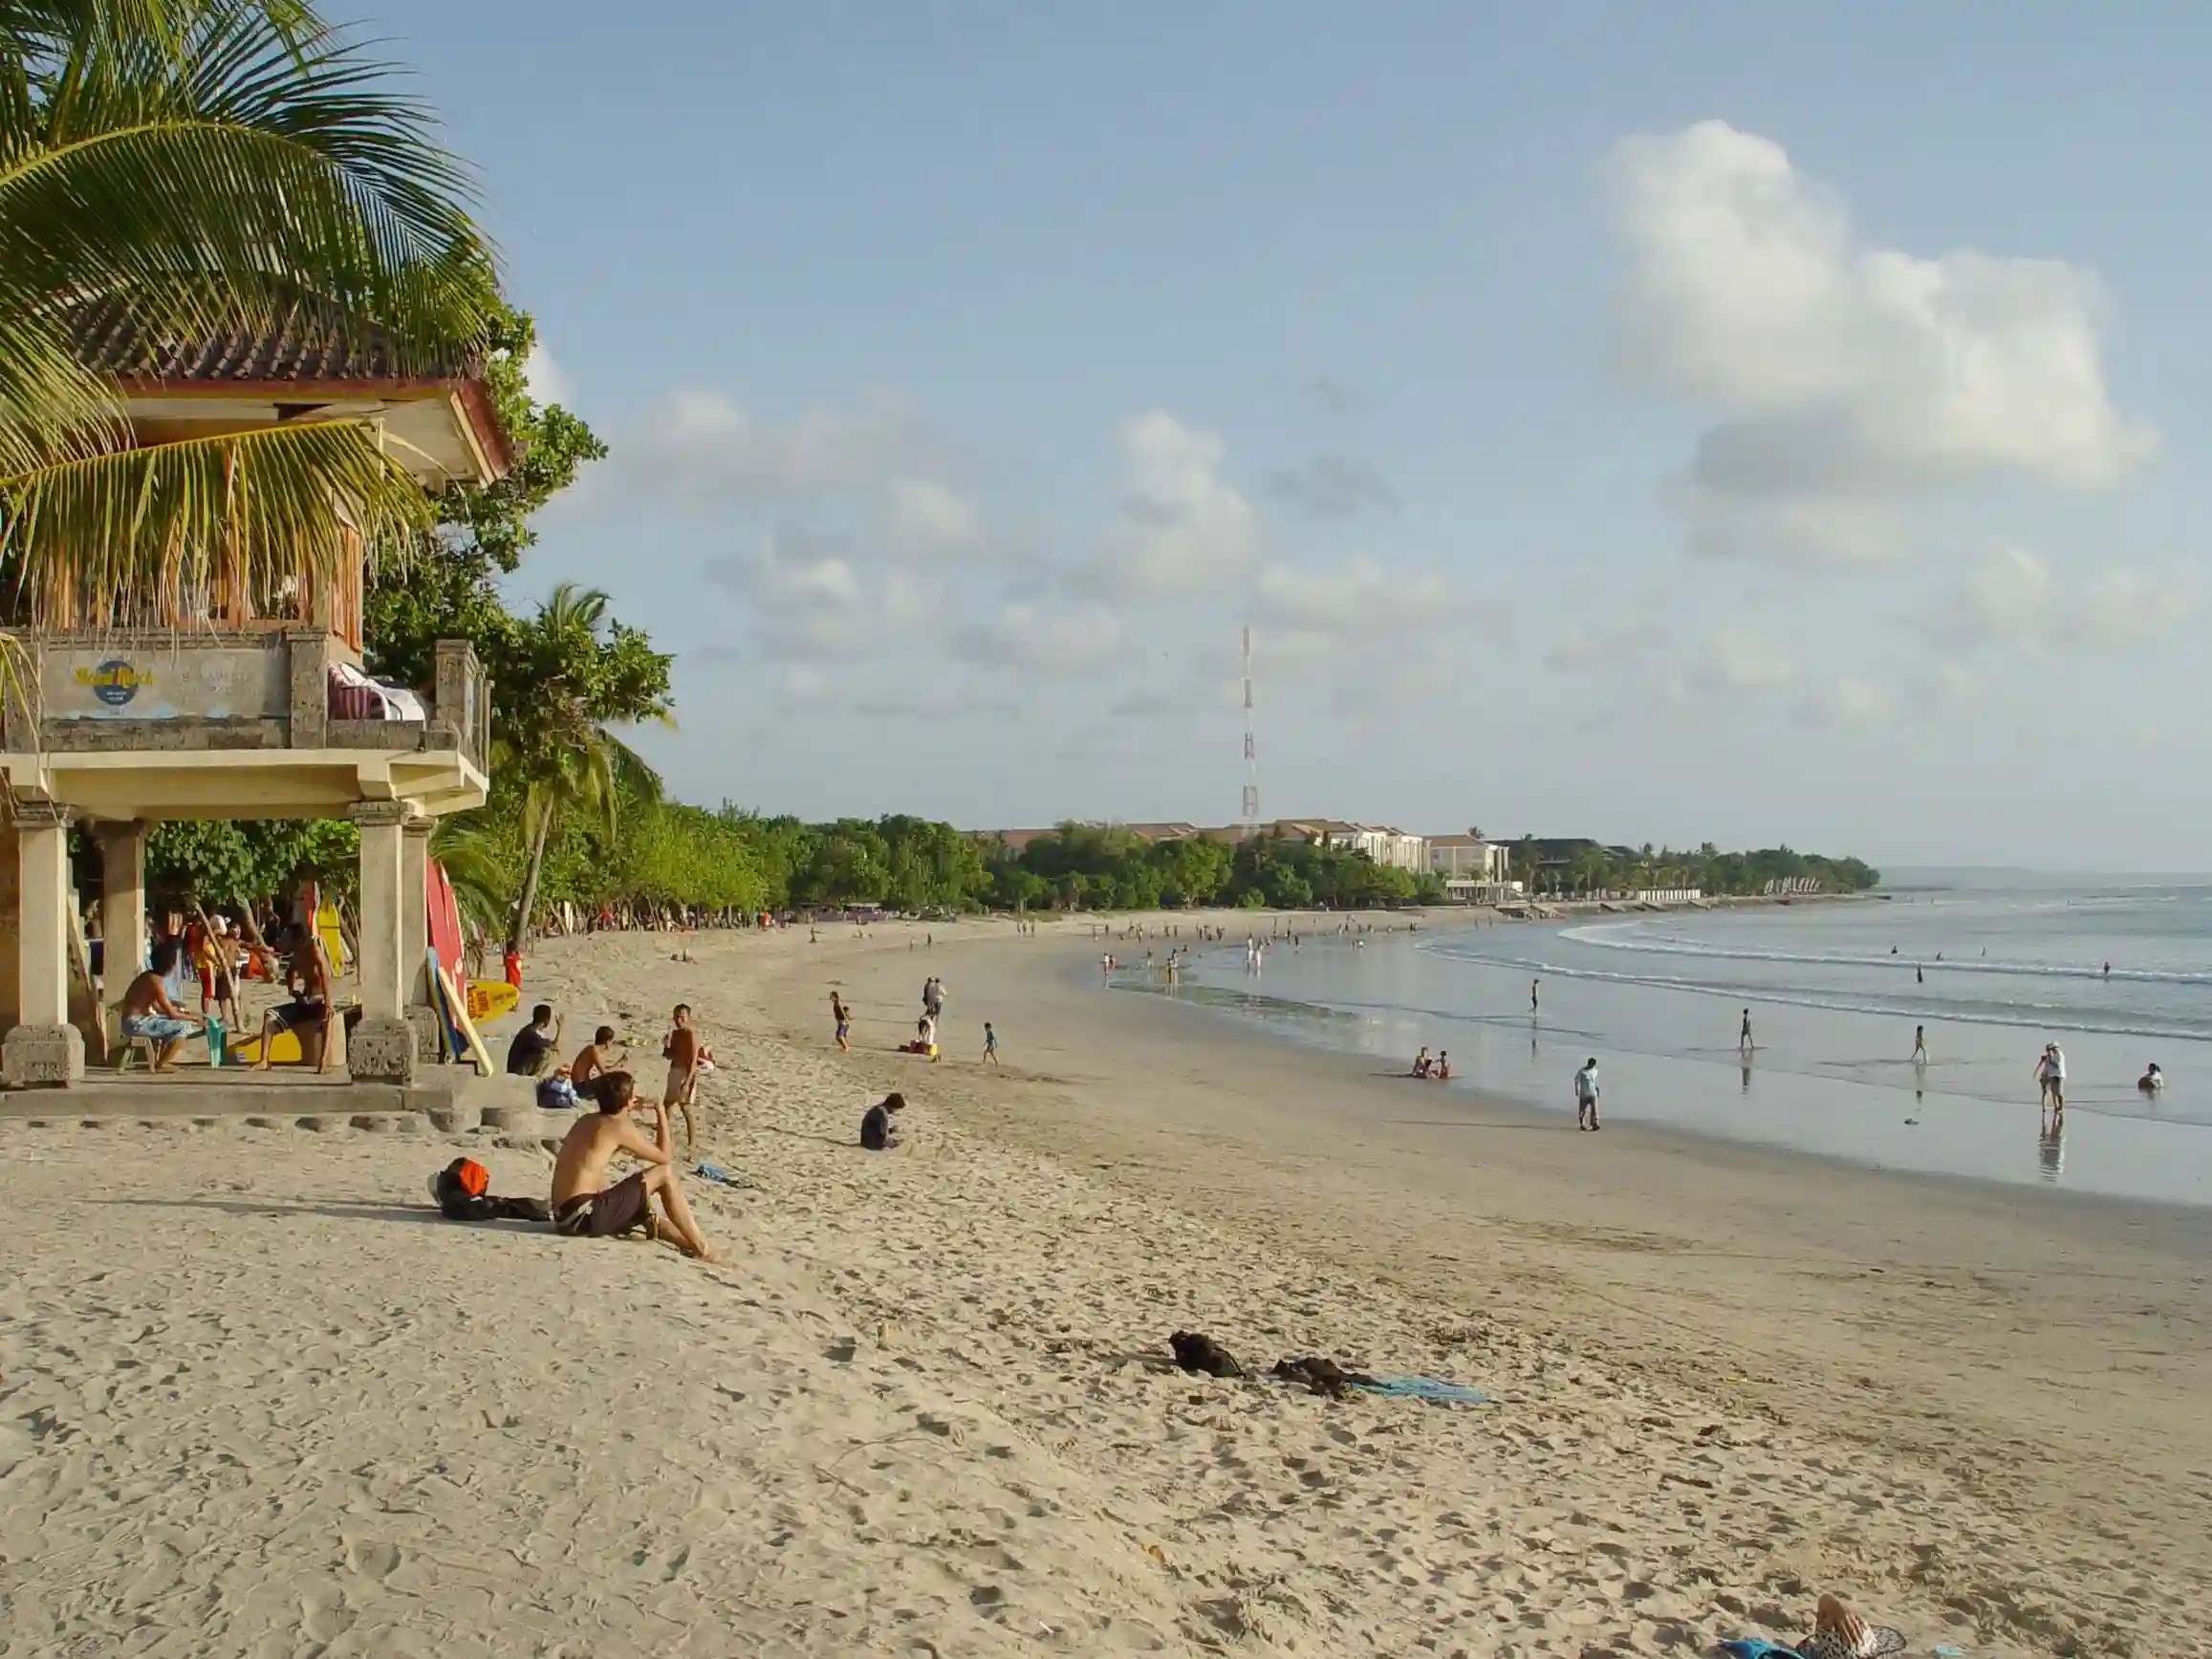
923,1411
1978,1325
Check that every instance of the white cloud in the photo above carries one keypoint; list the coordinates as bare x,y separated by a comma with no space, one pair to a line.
2012,599
1849,377
1607,647
810,598
1181,530
544,379
1071,645
707,452
926,516
1734,662
1844,701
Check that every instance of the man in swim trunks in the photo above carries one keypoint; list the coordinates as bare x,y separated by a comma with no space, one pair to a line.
585,1206
307,1012
842,1012
148,1012
680,1050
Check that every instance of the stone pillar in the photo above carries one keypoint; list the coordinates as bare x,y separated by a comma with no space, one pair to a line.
415,935
43,1047
382,1048
122,905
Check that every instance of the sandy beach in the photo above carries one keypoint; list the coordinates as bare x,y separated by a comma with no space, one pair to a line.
255,1398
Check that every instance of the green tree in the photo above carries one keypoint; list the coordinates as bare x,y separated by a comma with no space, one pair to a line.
578,677
450,589
182,168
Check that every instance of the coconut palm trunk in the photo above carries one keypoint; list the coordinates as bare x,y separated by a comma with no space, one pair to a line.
519,933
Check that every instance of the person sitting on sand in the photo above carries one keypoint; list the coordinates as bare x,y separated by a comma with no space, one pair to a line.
308,1012
876,1131
1421,1063
2152,1080
585,1206
534,1043
591,1059
148,1012
1444,1066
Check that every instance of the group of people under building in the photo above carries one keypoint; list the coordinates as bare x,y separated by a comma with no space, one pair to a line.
219,955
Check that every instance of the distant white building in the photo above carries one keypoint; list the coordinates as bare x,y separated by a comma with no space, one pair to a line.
1469,858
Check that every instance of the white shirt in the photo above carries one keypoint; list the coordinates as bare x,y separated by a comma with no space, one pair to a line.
2057,1064
1586,1083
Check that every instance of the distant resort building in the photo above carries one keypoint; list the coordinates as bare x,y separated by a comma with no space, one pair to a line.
1795,886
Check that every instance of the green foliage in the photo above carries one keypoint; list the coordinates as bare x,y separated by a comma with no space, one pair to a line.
243,862
449,591
1571,867
197,165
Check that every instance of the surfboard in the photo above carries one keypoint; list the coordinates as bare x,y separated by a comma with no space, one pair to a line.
489,998
444,918
326,928
456,1012
283,1050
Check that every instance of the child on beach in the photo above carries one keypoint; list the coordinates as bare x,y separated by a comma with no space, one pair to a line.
591,1059
842,1011
877,1132
990,1045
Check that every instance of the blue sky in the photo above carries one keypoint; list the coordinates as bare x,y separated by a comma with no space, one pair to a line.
1751,424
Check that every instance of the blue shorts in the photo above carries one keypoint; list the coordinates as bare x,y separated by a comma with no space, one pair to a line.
158,1027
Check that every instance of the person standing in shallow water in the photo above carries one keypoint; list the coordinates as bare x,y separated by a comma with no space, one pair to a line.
1920,1045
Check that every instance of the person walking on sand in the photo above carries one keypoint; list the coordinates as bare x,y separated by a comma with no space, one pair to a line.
1920,1045
2057,1077
585,1206
681,1049
1532,986
1586,1095
2043,1078
990,1045
842,1011
1744,1043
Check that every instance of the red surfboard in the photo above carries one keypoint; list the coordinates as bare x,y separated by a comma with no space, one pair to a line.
445,920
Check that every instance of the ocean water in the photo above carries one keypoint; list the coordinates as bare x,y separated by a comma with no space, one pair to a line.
2118,977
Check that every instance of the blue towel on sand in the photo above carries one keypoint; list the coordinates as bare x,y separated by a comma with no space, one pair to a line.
720,1176
1428,1388
1757,1647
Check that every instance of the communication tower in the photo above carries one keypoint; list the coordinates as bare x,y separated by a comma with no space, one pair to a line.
1251,750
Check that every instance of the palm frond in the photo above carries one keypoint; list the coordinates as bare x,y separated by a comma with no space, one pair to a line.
476,863
150,531
215,183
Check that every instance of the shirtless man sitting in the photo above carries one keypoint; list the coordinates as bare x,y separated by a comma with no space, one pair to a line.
309,1010
591,1059
148,1012
585,1207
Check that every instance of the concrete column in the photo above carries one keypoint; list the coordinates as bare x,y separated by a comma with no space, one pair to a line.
382,1046
122,905
43,1047
415,907
421,1015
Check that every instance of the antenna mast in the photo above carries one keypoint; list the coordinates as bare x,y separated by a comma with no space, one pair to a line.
1251,813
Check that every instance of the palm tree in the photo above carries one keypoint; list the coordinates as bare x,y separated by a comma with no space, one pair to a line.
185,170
578,679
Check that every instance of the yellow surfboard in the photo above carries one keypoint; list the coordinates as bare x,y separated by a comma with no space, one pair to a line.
283,1050
489,998
326,928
